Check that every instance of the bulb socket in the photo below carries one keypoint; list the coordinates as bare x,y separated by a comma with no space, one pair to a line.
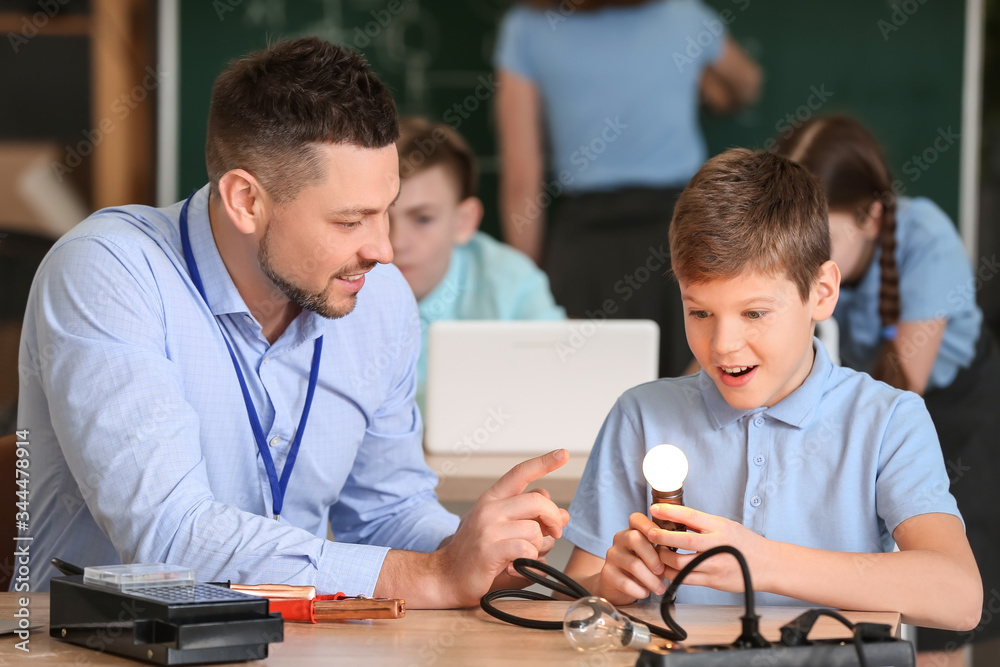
637,636
669,498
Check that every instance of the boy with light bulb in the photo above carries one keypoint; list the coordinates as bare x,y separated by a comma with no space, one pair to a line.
814,472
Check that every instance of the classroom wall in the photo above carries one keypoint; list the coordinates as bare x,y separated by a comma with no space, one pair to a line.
896,66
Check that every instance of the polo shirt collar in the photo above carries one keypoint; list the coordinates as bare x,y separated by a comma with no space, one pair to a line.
796,409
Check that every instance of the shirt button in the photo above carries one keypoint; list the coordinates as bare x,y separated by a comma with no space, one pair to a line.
755,501
759,460
274,441
758,421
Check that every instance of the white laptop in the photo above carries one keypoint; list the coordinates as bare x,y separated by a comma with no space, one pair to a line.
527,387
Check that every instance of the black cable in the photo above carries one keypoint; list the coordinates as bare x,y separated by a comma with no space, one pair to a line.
563,583
750,637
486,602
796,633
560,583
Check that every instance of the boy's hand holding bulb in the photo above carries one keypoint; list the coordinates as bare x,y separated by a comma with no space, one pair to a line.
636,566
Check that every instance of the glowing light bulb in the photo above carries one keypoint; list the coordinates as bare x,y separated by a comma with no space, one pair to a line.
593,624
665,468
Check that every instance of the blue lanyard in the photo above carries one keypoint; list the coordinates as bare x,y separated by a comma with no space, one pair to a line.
277,486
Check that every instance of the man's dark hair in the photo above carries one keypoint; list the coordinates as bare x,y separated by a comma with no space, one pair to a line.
270,107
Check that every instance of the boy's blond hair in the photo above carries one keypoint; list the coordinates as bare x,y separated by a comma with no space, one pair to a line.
423,144
750,212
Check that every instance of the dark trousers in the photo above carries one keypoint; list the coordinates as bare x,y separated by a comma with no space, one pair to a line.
966,415
607,255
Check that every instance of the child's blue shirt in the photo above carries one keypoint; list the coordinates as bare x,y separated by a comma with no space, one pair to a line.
486,280
619,87
935,281
837,465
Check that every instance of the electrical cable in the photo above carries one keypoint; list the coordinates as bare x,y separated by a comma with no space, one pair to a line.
750,637
560,583
794,633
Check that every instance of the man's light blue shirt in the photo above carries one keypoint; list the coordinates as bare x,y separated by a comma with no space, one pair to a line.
486,280
619,87
837,465
935,282
141,450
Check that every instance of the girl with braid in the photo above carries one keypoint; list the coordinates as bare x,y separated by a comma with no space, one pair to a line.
908,316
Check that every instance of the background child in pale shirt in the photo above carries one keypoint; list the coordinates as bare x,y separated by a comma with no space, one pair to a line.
908,315
811,470
456,272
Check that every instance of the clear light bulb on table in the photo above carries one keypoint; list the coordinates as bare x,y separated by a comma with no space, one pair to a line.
593,624
665,468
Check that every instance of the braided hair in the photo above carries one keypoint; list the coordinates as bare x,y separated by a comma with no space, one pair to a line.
849,164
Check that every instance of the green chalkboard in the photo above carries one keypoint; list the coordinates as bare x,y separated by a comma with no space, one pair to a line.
897,67
433,54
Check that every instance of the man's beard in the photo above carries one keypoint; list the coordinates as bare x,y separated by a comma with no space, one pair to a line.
317,302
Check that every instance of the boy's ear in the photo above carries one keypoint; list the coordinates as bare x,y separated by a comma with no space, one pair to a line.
246,203
470,214
826,290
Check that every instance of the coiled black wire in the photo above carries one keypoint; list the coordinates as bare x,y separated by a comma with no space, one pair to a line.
750,638
560,583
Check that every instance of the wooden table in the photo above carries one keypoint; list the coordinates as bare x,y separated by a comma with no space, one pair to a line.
424,638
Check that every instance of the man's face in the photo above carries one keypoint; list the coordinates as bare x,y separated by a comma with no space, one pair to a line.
428,220
317,247
752,334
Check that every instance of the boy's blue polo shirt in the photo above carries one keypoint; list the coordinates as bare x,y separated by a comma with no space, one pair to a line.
836,465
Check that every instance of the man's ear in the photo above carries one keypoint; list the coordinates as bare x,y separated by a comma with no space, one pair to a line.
826,290
245,201
470,214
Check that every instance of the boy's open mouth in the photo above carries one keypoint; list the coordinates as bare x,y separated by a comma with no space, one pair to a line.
737,371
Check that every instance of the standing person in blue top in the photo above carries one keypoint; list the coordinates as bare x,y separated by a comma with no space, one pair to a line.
610,90
456,271
205,384
908,315
811,470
